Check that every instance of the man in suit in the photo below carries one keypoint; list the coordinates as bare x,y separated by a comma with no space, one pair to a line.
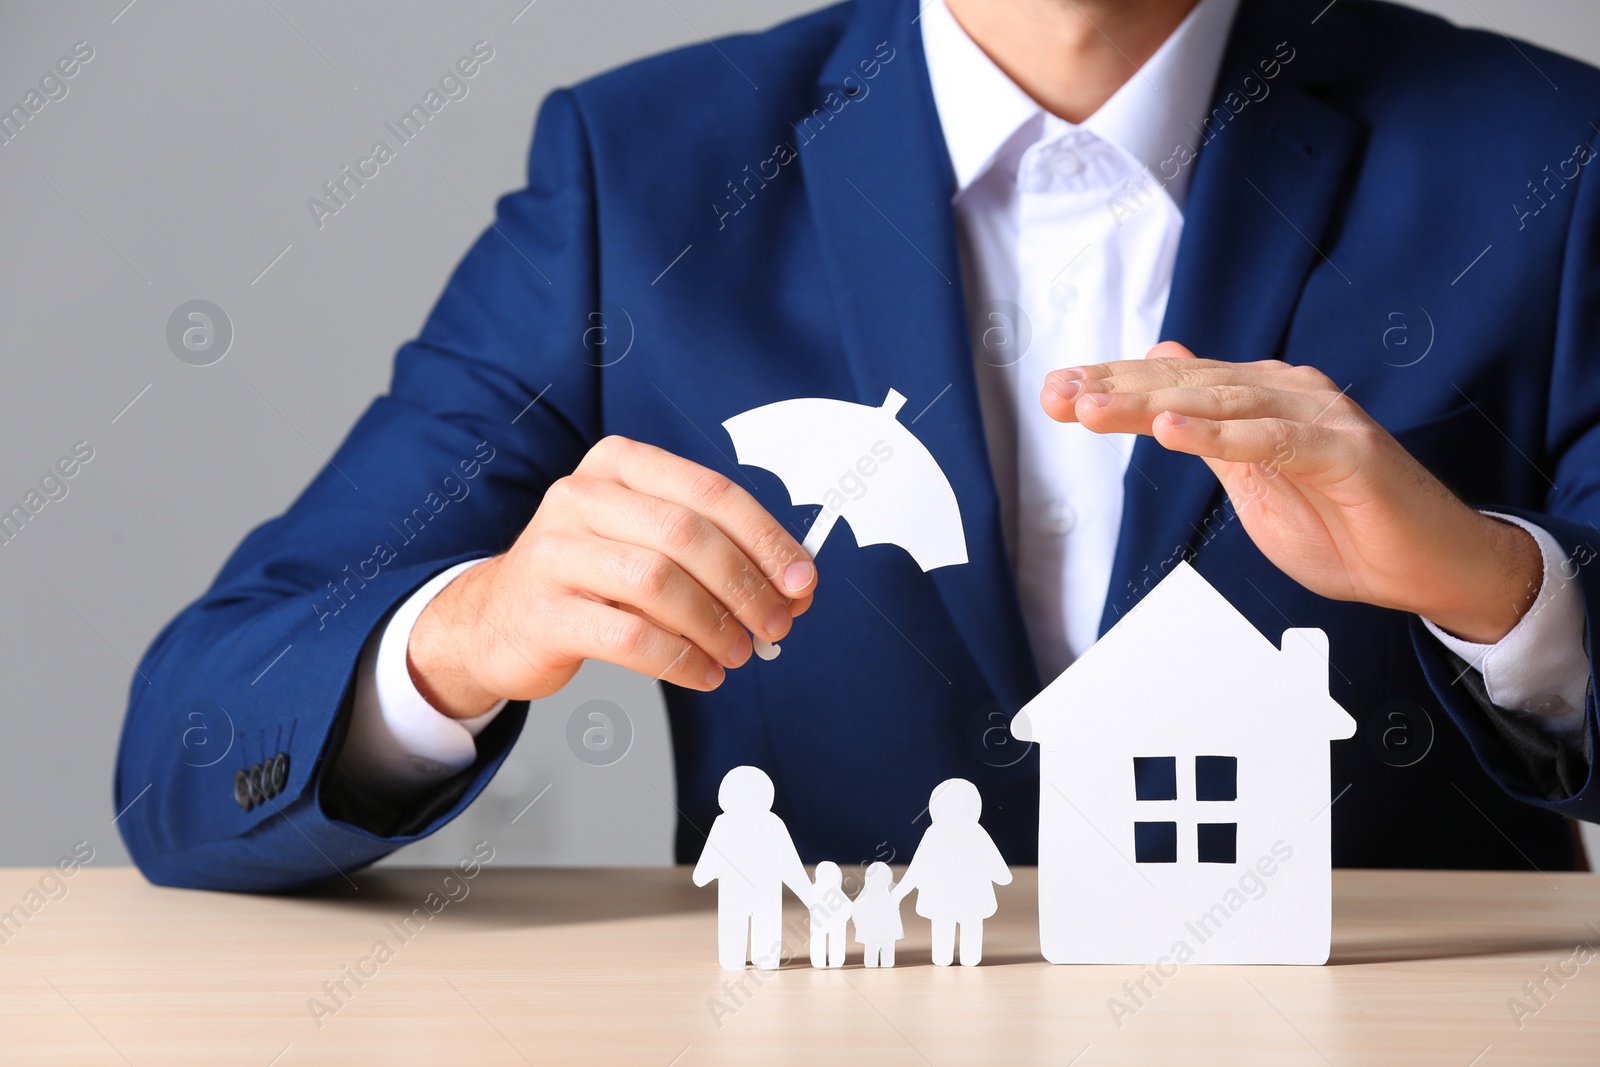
1305,293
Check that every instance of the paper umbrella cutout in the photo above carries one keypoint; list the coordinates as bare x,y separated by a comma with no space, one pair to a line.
857,463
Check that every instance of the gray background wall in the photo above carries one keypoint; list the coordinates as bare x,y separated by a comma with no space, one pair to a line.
178,167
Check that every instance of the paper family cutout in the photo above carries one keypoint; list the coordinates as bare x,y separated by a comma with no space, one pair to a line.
751,857
859,463
1183,815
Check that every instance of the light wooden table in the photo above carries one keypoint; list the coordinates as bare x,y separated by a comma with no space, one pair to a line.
618,967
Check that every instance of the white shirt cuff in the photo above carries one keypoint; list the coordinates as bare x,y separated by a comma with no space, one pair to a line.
1540,667
398,743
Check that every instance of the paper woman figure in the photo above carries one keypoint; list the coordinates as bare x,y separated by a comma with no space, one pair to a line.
954,871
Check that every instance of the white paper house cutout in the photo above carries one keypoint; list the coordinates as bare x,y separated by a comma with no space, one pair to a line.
1185,696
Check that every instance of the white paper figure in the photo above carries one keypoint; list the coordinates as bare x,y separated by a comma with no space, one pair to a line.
954,871
857,463
875,914
1184,789
751,856
830,911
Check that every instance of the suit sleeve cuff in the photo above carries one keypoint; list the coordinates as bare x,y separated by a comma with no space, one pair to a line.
1540,667
398,744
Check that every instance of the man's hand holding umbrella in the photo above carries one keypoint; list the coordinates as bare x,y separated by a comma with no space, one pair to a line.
639,558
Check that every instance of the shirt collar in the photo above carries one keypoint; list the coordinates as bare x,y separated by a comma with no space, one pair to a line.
1157,110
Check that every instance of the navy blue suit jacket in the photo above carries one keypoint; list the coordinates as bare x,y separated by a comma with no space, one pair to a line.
745,246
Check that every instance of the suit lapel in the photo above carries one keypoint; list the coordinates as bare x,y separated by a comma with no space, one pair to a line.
1263,193
879,186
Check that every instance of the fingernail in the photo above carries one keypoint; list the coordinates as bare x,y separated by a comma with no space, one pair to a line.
1175,419
1066,390
1099,400
714,676
778,622
1068,374
797,575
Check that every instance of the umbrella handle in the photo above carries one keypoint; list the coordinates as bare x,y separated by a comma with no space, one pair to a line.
811,545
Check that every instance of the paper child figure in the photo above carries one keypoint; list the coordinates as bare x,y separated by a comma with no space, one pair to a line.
876,915
952,871
830,910
750,854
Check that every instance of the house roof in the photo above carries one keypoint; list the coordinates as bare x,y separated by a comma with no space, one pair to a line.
1182,633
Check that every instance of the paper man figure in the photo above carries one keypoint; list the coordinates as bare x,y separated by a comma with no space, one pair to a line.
876,915
952,871
830,910
750,854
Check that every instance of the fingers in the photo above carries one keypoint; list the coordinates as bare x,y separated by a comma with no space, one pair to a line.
692,542
1124,396
642,559
662,591
743,521
1111,407
1169,364
1274,444
1267,414
592,630
1068,394
655,563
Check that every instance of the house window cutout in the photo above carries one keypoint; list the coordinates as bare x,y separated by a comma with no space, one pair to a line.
1155,778
1219,842
1216,778
1155,842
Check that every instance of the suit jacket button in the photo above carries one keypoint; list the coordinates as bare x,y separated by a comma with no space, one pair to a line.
258,792
241,790
278,773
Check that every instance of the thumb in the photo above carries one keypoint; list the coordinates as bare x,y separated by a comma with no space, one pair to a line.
1169,350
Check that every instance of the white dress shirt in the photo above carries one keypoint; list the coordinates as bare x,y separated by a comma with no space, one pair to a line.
1053,277
399,745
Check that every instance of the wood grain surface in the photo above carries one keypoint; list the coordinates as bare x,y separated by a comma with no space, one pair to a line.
563,966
